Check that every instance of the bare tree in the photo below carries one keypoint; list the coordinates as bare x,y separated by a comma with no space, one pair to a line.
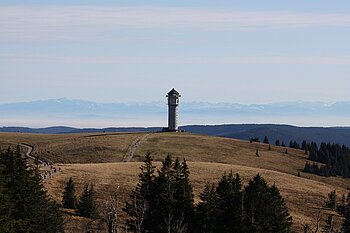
308,229
139,207
110,215
175,225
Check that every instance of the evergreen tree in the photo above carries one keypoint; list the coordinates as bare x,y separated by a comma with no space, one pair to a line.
69,200
169,197
277,143
172,196
183,195
86,206
304,145
31,210
140,199
331,202
207,210
163,192
266,140
291,145
280,218
264,209
229,204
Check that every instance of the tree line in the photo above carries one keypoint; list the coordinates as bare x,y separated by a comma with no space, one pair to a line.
292,144
336,160
163,202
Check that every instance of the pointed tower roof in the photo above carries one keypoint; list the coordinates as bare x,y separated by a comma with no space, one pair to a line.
173,92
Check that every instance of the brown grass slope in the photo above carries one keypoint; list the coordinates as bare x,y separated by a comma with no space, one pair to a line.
75,148
209,158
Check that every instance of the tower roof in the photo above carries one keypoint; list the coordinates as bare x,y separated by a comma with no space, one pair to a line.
173,92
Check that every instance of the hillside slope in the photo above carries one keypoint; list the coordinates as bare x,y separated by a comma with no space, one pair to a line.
304,196
97,159
284,133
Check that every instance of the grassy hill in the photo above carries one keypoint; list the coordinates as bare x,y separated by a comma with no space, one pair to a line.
97,159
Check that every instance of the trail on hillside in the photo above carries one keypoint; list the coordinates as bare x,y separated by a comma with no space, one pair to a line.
47,170
133,147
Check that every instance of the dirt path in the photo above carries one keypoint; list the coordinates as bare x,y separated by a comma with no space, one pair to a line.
133,147
47,170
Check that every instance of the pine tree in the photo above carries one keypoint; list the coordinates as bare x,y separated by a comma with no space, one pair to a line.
304,145
86,206
229,203
266,140
280,218
277,143
264,209
25,192
183,195
169,197
162,202
69,200
206,211
140,199
331,202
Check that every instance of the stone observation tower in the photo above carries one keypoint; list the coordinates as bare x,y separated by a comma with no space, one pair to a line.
173,114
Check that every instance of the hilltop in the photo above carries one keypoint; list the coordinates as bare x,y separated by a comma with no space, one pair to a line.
98,158
274,132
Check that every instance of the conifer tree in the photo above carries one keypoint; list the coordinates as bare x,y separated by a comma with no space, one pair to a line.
162,202
86,206
138,208
266,140
25,192
229,203
69,200
170,201
331,202
277,143
207,210
264,209
280,218
183,193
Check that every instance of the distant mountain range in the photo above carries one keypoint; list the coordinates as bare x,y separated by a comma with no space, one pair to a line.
284,133
199,117
65,106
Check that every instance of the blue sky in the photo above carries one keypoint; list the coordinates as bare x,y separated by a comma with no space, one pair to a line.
216,51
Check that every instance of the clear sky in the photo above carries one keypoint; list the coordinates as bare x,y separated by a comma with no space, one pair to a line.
217,51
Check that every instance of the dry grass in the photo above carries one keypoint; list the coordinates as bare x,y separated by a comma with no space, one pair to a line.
209,158
75,148
304,196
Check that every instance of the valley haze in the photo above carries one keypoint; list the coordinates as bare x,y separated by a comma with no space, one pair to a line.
313,121
87,114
